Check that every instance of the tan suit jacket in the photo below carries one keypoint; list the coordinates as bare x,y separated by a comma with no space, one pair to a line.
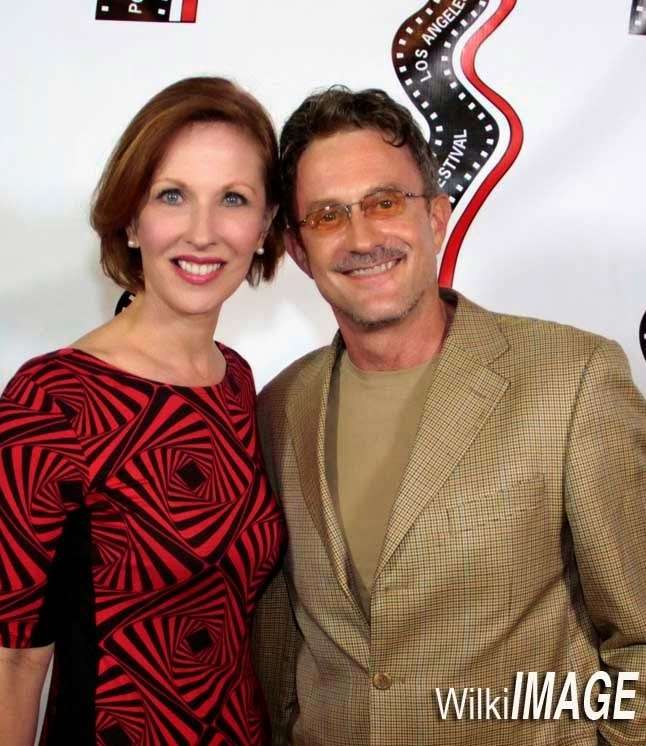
517,543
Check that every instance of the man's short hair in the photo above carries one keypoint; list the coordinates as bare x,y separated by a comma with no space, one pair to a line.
338,109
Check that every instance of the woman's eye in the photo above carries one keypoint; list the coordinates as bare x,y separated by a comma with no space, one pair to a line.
233,199
170,196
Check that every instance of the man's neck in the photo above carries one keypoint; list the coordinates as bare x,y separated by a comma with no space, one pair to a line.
404,344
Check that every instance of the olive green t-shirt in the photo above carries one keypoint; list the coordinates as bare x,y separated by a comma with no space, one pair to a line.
371,427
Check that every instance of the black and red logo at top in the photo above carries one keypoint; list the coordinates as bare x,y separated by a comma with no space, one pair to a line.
164,11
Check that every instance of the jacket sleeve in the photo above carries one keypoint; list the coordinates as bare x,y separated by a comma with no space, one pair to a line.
275,643
605,499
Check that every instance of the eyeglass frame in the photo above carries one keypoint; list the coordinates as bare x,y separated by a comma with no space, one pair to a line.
347,206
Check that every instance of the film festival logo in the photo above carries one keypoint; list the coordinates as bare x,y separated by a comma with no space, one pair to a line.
474,132
160,11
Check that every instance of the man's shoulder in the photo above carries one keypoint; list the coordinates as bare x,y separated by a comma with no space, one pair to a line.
296,375
522,328
535,338
546,344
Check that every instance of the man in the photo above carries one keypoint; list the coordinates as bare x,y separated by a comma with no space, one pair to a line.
465,491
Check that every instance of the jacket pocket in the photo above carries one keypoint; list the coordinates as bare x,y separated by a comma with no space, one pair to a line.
505,507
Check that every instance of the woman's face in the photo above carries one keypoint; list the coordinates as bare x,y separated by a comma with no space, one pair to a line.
202,220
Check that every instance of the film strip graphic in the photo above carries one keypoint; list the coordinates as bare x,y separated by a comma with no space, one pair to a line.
160,11
638,17
474,132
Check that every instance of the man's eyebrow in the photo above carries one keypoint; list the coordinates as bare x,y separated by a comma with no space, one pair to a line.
320,203
332,201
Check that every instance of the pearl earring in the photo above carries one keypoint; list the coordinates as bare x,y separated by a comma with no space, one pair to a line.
132,244
260,250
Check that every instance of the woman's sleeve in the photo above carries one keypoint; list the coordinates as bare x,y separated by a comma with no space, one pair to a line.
42,479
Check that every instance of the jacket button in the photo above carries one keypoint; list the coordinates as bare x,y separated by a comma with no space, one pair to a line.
381,681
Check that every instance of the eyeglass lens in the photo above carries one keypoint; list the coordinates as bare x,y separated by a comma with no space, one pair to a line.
378,206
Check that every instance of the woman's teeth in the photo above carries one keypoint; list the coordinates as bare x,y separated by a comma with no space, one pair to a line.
198,269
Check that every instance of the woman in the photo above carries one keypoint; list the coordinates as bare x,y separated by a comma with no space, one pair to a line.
137,526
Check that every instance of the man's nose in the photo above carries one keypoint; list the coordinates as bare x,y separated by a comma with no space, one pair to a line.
362,232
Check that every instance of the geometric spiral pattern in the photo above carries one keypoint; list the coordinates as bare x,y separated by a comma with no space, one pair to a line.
137,529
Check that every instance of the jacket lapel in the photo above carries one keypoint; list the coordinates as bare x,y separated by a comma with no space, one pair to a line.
307,413
462,395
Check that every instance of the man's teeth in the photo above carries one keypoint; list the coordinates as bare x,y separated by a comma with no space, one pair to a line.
198,269
376,270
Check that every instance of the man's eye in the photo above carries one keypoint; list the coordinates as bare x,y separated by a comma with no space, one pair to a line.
330,215
170,196
326,217
233,199
386,202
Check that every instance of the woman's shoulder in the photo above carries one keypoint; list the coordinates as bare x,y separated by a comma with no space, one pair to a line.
40,368
41,383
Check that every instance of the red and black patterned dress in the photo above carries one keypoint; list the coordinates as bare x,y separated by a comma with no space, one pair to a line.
137,528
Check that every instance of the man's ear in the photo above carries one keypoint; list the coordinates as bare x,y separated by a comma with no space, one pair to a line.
296,250
439,211
270,214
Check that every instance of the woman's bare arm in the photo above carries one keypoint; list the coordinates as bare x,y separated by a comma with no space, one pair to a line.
22,673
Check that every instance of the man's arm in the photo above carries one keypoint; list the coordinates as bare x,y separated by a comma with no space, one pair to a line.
605,495
275,643
22,673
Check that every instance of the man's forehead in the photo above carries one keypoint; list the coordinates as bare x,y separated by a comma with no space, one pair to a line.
365,158
373,137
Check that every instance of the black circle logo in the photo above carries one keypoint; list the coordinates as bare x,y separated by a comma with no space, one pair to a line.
642,335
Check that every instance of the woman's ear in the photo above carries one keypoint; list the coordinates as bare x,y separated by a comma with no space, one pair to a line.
131,232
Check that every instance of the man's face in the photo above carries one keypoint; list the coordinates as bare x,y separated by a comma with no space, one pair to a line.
373,272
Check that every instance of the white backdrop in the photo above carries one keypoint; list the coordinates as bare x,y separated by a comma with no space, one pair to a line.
560,237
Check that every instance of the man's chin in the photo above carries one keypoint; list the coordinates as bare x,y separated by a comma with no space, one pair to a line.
376,321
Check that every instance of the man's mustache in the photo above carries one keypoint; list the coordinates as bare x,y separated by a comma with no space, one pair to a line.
377,255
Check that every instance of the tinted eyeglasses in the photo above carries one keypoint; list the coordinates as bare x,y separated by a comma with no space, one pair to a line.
380,205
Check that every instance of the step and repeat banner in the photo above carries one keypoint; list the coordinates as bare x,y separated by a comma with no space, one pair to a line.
536,111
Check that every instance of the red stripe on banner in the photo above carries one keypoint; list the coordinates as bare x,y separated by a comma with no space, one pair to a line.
450,257
189,11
